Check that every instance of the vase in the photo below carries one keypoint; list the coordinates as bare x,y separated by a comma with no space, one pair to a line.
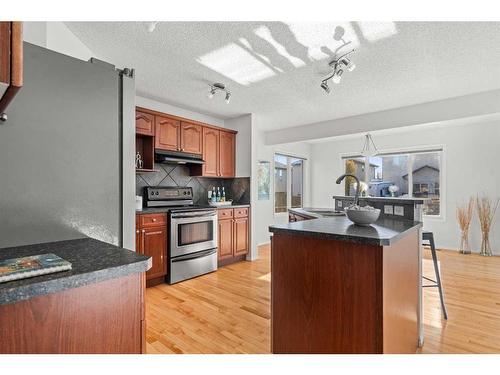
485,245
464,243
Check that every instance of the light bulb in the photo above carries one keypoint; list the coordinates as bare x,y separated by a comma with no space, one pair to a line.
324,86
337,76
211,94
228,97
351,66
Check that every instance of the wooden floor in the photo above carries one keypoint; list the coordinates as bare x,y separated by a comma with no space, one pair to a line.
229,311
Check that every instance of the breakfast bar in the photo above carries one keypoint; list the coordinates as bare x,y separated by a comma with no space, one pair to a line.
342,288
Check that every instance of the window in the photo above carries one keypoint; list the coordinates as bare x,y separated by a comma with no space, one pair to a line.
414,174
288,182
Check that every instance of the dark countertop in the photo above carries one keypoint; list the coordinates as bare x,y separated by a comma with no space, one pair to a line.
154,210
384,232
405,200
92,261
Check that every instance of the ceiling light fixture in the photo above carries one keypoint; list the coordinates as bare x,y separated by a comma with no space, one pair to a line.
338,67
368,150
216,87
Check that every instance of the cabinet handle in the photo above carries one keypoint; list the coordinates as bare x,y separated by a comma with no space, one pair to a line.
144,231
154,220
137,231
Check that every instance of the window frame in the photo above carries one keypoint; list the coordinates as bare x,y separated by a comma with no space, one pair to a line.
289,181
411,151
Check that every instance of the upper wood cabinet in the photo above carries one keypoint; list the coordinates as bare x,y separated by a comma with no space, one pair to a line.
191,138
167,133
11,62
210,152
226,154
144,123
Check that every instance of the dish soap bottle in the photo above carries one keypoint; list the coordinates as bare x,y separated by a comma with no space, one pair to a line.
214,198
218,195
223,198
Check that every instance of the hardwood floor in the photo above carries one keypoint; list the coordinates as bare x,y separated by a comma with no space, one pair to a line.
228,311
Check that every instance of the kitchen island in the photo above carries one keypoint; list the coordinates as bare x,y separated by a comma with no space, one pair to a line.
96,307
342,288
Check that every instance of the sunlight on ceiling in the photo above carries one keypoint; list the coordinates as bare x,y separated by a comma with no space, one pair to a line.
318,38
264,33
236,63
373,31
279,47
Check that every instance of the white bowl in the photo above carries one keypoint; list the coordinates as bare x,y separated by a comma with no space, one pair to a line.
362,217
220,204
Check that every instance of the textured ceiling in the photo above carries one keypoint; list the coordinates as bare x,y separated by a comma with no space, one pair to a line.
274,69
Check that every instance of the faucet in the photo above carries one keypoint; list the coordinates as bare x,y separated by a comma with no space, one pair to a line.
356,196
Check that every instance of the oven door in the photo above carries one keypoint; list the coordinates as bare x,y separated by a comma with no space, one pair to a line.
191,232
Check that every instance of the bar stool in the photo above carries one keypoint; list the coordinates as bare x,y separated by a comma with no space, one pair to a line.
429,236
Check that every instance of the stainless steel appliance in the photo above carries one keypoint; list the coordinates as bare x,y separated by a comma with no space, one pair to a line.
192,232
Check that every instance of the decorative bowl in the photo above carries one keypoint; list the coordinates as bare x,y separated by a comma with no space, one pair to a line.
220,204
363,216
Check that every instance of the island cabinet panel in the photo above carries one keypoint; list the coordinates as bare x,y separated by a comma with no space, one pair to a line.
101,318
326,296
191,138
210,152
226,154
167,133
144,123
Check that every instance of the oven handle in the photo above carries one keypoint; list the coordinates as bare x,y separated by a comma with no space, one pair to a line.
199,254
194,214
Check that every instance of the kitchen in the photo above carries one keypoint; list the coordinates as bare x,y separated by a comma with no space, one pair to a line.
176,199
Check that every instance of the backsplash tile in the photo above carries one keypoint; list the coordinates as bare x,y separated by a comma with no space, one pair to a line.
237,189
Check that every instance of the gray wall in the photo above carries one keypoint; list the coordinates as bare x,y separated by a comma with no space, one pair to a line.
60,154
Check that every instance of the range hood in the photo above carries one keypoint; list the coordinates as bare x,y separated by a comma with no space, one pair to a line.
173,157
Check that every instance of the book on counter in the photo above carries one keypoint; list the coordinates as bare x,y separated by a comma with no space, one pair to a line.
36,265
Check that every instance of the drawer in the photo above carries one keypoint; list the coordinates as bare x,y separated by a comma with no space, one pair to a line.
152,220
241,212
226,213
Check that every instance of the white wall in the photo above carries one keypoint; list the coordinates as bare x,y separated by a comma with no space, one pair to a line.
57,37
263,211
470,167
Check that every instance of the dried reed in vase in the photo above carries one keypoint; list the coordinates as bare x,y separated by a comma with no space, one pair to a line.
486,210
464,218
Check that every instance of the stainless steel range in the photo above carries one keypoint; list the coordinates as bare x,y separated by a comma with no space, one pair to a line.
192,232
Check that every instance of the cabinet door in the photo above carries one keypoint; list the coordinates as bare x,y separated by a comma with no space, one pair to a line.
144,123
226,154
191,135
167,133
225,239
210,152
240,236
154,244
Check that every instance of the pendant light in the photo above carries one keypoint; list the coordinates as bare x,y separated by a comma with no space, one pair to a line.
369,148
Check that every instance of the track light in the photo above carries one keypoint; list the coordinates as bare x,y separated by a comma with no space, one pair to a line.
324,86
338,67
214,88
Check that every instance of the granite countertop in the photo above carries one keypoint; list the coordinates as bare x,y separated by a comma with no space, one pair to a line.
408,200
154,210
383,232
92,261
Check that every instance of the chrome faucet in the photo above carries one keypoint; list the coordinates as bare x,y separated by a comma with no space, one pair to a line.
356,196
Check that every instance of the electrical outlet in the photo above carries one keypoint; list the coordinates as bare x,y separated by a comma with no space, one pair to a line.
399,210
388,209
339,204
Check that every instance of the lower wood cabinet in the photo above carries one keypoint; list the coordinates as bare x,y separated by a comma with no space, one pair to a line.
151,240
233,234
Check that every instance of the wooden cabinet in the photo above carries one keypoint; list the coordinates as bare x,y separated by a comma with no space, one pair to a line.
233,234
210,152
11,63
226,154
151,239
144,123
167,133
218,154
191,138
